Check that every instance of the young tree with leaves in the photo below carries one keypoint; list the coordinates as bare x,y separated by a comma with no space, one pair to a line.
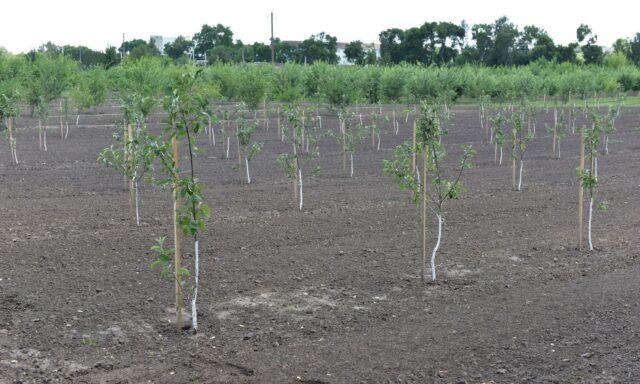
131,156
498,121
519,142
248,148
430,148
294,161
588,177
12,71
184,106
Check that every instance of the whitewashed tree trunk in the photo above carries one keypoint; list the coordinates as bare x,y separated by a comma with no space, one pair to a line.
500,163
194,307
228,143
589,225
520,176
300,183
435,249
137,198
45,138
246,163
77,120
351,162
558,149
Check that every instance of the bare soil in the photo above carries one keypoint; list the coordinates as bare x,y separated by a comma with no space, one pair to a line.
328,295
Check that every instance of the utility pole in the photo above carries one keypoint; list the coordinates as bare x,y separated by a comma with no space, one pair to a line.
273,47
122,49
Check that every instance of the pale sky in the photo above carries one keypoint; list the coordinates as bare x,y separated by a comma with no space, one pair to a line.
28,23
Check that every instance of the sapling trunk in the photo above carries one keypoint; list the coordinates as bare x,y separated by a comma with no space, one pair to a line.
589,224
437,246
520,176
246,163
194,307
137,198
44,137
77,120
395,129
300,180
558,149
228,144
495,153
351,162
500,162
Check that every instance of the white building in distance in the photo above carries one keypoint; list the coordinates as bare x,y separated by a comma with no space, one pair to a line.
159,41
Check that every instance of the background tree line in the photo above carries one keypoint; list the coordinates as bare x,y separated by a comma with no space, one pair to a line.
500,43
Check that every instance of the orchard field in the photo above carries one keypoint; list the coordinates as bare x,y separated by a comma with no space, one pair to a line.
328,294
244,224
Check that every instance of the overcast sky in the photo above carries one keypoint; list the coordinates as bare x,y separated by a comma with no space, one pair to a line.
28,23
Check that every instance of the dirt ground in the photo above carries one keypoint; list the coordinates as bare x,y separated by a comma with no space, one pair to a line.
328,295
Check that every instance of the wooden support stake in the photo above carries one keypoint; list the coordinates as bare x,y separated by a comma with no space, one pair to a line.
177,239
513,163
423,267
581,193
239,154
413,150
344,149
131,186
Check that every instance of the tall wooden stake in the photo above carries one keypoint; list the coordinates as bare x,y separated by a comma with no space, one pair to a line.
177,240
413,150
423,267
239,154
344,149
131,186
513,164
125,156
581,193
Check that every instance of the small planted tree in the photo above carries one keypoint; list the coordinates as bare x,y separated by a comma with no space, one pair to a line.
352,133
293,162
558,131
89,91
588,177
248,148
608,126
184,105
497,122
427,194
132,156
519,141
12,70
